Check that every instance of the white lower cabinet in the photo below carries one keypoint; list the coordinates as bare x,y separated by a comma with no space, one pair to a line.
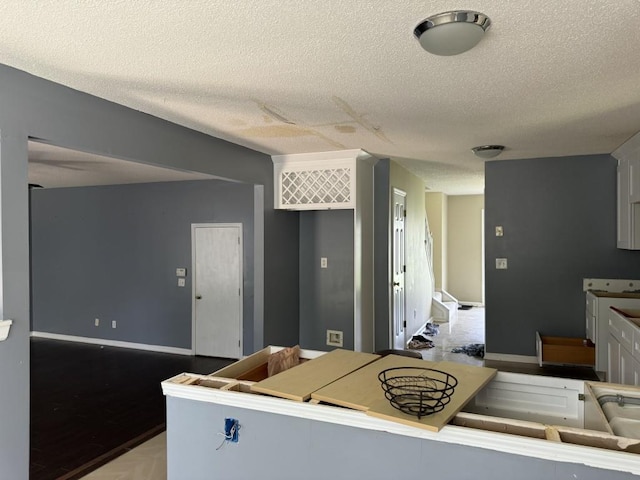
623,350
613,360
627,373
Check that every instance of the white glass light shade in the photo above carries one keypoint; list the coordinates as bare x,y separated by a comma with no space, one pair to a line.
451,33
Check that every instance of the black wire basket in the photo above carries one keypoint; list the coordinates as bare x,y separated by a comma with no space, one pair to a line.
417,391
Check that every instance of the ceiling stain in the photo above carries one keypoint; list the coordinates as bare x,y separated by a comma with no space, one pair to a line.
236,122
277,131
345,128
375,129
287,131
274,112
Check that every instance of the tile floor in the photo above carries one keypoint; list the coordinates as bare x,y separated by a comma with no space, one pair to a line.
469,328
145,462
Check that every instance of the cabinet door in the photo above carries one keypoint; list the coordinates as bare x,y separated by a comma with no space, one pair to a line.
636,372
590,327
627,371
613,360
634,180
624,206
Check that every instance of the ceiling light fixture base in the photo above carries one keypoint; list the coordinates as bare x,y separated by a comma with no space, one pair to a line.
488,151
452,33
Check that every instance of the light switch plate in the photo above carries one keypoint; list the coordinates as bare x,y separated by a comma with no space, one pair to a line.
181,272
499,231
501,263
181,282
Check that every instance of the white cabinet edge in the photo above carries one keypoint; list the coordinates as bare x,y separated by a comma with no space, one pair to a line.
5,325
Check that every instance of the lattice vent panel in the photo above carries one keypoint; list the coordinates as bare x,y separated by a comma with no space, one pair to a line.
308,187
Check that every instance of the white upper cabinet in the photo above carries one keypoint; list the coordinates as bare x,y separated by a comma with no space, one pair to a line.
628,210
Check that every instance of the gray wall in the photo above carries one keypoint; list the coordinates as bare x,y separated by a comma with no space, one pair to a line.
381,254
559,219
33,107
326,295
111,253
282,447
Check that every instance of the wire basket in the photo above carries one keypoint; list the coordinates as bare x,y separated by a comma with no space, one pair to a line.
417,391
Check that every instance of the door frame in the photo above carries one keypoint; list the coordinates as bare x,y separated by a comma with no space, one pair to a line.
194,226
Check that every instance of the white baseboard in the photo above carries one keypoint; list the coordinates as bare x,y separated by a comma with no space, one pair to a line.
113,343
504,357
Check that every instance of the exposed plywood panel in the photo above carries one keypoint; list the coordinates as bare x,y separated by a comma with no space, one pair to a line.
361,390
300,382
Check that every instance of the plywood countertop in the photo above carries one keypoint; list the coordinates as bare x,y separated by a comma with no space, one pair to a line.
298,383
361,390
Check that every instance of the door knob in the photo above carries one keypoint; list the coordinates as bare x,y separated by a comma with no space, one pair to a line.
198,297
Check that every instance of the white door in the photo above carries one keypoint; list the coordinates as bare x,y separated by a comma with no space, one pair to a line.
217,289
398,269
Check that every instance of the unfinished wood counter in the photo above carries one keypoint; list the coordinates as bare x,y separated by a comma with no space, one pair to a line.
523,426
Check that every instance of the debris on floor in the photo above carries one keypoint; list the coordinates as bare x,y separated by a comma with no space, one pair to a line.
473,350
419,342
431,329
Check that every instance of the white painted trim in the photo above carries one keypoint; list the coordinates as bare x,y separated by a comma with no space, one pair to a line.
504,357
113,343
512,444
5,325
193,280
610,284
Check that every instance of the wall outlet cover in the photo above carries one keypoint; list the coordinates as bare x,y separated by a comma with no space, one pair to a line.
334,338
501,263
181,282
181,272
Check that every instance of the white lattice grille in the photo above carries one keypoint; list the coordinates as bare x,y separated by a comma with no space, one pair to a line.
306,187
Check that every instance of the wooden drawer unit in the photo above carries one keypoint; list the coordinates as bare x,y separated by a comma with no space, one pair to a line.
564,350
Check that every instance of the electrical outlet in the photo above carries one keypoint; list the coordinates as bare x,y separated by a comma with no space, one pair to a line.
97,322
323,262
501,263
113,324
181,282
499,231
334,338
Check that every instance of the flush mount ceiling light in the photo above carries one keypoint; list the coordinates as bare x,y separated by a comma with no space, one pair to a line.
451,33
488,151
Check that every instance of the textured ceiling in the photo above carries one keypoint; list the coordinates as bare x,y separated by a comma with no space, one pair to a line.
550,78
51,167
